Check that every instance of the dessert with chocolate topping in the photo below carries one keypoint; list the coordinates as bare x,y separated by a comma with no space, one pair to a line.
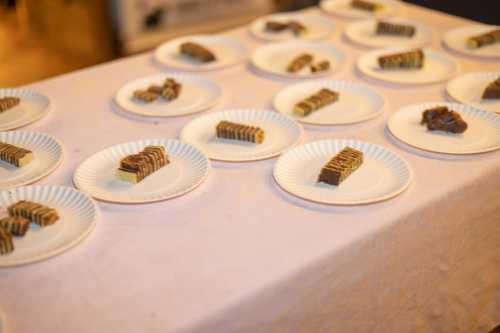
341,166
315,102
492,91
35,212
16,156
15,225
295,27
6,245
197,52
170,90
366,5
320,66
299,63
234,131
404,60
134,168
8,103
388,28
488,38
440,118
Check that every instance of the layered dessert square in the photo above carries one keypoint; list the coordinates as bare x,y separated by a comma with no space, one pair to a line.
16,156
387,28
197,52
134,168
35,212
15,225
404,60
169,90
235,131
6,244
299,62
315,102
488,38
341,166
366,5
8,103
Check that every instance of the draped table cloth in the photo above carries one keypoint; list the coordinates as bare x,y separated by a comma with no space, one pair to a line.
238,254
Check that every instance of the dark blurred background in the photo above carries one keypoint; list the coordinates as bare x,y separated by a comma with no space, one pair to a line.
43,38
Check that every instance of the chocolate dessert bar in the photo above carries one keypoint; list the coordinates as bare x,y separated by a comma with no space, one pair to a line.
145,96
196,52
492,91
134,168
406,60
170,90
488,38
315,102
36,213
6,245
16,156
295,27
8,103
299,62
341,166
17,226
440,118
234,131
387,28
366,5
321,66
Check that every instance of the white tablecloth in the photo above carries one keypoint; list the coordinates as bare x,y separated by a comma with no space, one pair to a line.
240,255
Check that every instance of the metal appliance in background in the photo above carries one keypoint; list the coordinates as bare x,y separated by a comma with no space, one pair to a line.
143,24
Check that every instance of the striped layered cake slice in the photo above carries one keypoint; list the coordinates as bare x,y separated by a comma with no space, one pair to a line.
134,168
234,131
35,212
197,52
488,38
492,91
315,102
14,155
341,166
299,62
15,225
387,28
405,60
8,103
366,5
6,244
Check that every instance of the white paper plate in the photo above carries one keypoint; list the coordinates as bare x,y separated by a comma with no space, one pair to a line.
482,134
281,133
32,107
469,88
317,26
356,102
382,175
187,169
437,68
48,155
274,58
363,33
78,216
343,8
228,52
456,40
197,94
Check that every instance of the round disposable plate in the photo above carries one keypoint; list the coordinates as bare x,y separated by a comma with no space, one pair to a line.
187,169
47,156
317,27
197,94
363,33
356,102
469,88
281,133
437,67
343,8
227,51
456,40
381,176
78,216
32,107
482,134
274,58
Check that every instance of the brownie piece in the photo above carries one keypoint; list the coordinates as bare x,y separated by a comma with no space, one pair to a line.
440,118
341,166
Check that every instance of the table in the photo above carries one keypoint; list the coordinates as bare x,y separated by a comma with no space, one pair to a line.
240,255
